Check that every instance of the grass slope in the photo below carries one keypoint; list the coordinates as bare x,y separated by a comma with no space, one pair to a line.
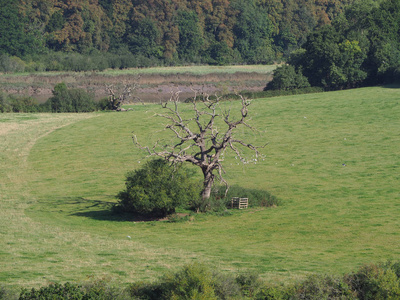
332,160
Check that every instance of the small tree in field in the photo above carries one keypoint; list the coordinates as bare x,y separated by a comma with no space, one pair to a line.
120,95
199,140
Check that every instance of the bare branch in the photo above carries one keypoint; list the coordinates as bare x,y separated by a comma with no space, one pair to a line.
119,95
199,140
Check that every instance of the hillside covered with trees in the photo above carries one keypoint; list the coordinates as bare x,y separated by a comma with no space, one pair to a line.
97,34
361,47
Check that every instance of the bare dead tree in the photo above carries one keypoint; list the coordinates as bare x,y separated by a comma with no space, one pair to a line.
119,95
204,145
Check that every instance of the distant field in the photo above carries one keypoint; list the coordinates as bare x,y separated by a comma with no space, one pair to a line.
196,70
153,84
332,159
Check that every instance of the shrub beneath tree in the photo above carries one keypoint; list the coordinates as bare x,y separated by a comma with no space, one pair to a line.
157,189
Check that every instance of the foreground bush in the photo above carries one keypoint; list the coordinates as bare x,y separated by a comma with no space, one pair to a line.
197,281
96,291
376,281
157,189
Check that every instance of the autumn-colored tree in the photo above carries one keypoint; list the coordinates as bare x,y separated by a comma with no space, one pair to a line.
211,31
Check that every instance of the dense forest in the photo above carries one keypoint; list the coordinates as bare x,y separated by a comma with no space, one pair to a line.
331,44
360,47
97,34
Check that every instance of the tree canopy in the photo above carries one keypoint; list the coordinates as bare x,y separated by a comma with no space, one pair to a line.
251,31
360,47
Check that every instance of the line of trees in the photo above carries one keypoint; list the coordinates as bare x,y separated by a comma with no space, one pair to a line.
155,32
360,47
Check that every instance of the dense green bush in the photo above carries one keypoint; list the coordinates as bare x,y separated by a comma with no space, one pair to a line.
276,292
157,189
63,100
287,78
7,293
4,103
373,281
18,104
250,284
96,291
60,61
317,287
194,281
71,100
53,291
11,64
197,281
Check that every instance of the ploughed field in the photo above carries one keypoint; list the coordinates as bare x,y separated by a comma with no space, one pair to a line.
332,160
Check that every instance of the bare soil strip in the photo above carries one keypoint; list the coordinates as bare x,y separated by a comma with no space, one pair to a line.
151,87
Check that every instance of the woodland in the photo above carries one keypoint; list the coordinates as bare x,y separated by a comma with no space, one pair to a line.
55,34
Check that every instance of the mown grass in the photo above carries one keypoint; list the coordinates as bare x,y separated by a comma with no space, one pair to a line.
332,160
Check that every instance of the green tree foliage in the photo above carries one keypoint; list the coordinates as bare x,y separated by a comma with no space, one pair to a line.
219,53
157,189
13,39
362,46
287,78
252,32
190,36
192,282
332,62
70,100
374,281
198,281
95,291
205,31
143,38
384,36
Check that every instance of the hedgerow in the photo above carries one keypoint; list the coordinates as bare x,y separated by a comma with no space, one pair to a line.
198,281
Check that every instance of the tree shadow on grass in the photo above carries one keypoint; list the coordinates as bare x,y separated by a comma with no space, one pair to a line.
81,207
102,211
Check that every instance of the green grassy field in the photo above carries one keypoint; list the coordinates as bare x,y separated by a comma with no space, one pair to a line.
332,160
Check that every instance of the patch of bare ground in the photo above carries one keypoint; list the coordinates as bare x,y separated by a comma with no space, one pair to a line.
150,87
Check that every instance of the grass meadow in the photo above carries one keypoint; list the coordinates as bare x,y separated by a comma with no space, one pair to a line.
332,160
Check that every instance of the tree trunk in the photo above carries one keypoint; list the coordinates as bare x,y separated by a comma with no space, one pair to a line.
207,185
